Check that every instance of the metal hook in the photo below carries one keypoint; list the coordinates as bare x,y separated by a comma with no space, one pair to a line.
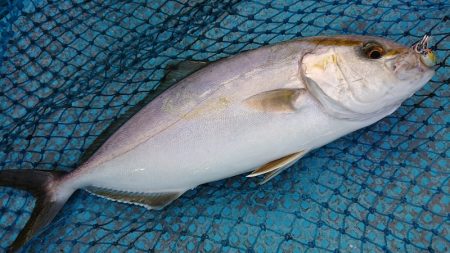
422,46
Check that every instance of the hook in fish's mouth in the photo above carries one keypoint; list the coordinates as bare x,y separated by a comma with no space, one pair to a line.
427,56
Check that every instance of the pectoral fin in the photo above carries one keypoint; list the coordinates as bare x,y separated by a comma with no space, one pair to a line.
149,200
274,168
280,100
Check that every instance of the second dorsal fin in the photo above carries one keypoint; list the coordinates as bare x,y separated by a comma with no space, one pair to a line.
178,71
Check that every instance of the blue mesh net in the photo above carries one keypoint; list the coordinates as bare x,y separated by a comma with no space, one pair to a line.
71,68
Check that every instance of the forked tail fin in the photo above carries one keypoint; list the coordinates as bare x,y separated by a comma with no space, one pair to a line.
49,198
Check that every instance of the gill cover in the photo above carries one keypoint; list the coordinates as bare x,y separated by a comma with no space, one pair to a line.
341,90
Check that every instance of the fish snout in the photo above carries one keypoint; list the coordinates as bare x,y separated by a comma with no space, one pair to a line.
411,65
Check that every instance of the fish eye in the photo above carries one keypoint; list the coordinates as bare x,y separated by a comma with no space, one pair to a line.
373,50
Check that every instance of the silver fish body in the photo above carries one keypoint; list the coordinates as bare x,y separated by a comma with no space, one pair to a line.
201,130
259,111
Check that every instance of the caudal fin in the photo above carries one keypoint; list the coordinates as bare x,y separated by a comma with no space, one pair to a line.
49,200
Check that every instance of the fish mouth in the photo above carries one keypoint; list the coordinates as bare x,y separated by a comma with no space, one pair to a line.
411,66
428,59
425,65
419,60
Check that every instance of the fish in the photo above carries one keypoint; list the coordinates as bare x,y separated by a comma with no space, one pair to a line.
257,112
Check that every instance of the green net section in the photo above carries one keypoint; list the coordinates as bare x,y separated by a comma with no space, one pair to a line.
68,69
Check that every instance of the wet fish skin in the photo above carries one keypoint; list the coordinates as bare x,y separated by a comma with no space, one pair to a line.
260,110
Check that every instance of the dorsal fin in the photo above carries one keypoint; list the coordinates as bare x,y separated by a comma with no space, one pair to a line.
156,200
279,100
274,168
178,71
173,74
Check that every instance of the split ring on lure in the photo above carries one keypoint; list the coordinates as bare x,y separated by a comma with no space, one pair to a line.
427,56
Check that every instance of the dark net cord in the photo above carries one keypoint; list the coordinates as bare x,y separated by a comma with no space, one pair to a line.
68,69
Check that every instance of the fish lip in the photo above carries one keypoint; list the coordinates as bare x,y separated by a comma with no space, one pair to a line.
430,63
426,55
427,70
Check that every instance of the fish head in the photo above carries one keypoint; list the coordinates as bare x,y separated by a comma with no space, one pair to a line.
363,74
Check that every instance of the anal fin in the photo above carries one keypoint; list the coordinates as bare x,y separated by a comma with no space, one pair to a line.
156,200
273,168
